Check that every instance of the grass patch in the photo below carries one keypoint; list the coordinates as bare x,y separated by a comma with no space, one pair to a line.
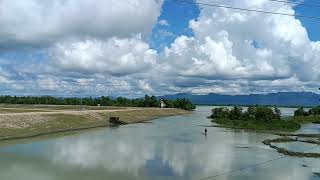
304,119
13,110
6,132
55,123
64,121
277,125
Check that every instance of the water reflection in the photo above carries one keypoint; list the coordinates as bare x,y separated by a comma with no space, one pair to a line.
116,155
170,148
181,159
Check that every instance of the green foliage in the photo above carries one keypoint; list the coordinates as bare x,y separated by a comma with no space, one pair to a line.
265,114
235,113
147,101
315,111
183,103
254,118
221,112
301,112
259,125
151,101
305,119
277,113
258,113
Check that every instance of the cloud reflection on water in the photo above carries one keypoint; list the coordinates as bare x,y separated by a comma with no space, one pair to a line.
131,154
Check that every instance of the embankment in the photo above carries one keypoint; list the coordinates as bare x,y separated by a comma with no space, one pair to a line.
24,124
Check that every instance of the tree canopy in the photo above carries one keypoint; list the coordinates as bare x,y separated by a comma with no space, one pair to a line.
147,101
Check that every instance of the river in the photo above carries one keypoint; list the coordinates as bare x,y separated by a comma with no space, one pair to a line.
168,148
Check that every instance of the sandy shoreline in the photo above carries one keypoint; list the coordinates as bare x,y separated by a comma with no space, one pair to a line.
24,122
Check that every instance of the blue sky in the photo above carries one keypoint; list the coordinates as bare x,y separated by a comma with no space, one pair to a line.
178,16
312,26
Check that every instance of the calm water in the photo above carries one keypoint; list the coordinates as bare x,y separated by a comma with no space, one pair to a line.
168,148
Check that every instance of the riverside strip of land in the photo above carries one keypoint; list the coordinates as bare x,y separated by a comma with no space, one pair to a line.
21,121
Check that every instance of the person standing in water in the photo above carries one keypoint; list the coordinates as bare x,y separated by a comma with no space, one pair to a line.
205,131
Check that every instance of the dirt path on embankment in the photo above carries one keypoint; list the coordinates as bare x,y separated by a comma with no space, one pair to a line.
27,119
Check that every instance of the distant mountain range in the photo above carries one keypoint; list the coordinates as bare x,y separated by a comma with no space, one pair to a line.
279,99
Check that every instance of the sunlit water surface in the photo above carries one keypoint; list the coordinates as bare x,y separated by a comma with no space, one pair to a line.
167,148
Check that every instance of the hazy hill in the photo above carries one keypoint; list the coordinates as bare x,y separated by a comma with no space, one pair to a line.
280,99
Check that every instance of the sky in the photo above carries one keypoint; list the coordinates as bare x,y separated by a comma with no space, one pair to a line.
136,47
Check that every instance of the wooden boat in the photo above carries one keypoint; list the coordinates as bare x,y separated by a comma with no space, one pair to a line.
116,121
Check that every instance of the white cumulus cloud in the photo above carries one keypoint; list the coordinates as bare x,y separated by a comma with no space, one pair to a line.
38,22
113,56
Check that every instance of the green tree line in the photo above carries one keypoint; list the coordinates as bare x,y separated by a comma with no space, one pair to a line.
255,113
253,118
147,101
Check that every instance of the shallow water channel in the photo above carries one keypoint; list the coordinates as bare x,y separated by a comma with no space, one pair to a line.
167,148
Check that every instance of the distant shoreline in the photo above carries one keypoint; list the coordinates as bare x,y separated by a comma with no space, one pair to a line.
265,105
279,99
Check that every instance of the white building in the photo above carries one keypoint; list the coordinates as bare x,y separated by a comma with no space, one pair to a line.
162,104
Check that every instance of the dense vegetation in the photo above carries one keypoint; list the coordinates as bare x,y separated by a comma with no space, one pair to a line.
255,118
302,116
258,113
315,111
147,101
